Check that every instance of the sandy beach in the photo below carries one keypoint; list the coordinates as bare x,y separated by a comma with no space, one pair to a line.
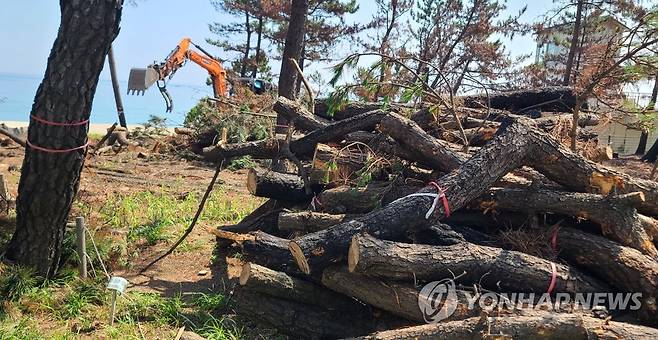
93,127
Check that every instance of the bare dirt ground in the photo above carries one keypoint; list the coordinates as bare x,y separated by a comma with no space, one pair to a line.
195,267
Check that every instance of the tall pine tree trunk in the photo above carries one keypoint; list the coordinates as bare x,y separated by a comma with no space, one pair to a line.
292,50
259,39
575,41
247,46
49,181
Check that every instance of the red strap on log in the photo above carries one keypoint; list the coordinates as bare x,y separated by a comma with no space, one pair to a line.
48,122
442,195
551,286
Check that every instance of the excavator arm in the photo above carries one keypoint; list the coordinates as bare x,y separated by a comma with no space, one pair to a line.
141,79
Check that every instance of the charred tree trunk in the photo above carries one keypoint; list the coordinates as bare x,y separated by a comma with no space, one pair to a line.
276,185
642,145
494,268
259,39
49,180
261,248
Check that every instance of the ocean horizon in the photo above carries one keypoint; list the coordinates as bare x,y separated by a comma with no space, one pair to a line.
17,93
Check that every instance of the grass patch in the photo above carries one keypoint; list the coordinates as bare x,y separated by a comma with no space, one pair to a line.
16,281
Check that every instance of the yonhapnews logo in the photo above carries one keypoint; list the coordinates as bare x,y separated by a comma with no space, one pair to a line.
438,300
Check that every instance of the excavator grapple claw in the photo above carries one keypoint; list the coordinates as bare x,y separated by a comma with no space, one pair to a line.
141,79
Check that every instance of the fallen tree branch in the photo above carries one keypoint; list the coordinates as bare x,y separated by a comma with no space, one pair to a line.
13,137
194,220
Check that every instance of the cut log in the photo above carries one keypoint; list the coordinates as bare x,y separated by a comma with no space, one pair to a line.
261,248
493,268
313,252
304,321
299,115
427,149
338,165
184,131
622,267
556,99
276,185
539,326
264,218
262,149
335,132
556,162
397,298
309,221
615,213
345,199
575,172
263,280
12,136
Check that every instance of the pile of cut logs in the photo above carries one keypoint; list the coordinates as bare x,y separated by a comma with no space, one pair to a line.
384,201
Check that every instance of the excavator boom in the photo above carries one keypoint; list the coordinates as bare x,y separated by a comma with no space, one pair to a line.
140,79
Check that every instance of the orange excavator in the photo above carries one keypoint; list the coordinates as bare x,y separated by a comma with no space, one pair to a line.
141,79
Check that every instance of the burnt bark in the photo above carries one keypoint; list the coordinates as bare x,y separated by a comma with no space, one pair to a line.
309,221
493,268
49,181
261,248
345,199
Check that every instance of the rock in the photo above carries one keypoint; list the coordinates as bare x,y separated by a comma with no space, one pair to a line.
202,272
188,335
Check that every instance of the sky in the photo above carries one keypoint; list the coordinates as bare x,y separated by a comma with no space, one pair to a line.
153,28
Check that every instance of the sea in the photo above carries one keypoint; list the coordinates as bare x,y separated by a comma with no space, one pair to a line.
17,93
